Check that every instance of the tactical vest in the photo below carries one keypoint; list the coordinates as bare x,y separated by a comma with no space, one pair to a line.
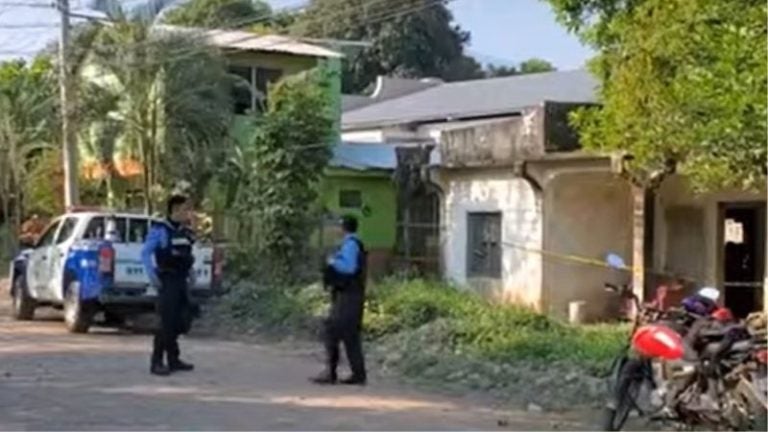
361,275
175,257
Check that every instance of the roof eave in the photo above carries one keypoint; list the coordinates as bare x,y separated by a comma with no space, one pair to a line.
357,126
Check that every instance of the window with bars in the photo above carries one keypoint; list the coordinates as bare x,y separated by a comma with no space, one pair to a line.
251,93
350,199
484,244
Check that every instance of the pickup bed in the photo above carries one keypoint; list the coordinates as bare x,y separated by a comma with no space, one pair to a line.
85,263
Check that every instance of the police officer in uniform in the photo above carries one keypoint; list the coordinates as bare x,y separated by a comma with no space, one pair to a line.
168,259
345,276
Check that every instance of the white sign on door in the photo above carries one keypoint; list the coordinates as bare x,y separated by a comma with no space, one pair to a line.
734,232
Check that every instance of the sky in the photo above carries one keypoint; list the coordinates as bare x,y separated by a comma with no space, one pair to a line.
503,31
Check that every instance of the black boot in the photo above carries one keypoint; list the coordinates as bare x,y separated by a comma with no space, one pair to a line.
159,369
180,366
354,380
325,378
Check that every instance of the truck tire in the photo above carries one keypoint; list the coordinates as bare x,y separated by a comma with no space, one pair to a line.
78,314
23,305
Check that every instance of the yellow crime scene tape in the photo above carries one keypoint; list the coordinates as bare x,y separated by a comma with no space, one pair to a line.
580,259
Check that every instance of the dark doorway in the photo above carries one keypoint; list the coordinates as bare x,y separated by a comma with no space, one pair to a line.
743,228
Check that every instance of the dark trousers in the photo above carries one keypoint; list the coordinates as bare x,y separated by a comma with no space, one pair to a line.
344,325
171,301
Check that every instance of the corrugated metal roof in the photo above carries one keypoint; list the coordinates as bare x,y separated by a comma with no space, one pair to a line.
371,156
248,41
475,98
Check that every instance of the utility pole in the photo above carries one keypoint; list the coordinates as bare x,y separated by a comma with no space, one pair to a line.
68,138
765,249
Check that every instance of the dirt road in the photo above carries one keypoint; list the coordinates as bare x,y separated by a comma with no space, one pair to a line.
51,380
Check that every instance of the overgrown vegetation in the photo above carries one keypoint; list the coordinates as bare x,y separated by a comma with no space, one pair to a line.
271,183
436,333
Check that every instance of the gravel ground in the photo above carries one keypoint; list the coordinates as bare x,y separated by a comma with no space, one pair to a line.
51,380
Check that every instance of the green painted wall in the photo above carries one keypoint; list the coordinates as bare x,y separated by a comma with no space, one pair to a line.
378,223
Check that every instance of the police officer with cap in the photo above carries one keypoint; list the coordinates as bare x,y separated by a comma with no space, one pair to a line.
167,257
345,276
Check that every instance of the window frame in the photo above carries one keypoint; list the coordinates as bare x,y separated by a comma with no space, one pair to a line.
74,221
493,267
358,199
258,76
88,227
53,229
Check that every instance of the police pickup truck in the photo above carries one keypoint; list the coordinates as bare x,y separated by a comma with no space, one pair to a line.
90,262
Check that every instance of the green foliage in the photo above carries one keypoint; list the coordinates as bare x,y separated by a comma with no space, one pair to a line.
476,327
535,65
493,71
273,180
276,309
530,66
411,38
28,126
44,187
683,86
165,102
219,13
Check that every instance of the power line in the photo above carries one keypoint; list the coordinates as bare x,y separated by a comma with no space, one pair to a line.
28,26
190,52
14,4
327,18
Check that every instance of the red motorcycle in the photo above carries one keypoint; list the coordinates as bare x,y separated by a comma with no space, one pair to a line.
649,372
677,365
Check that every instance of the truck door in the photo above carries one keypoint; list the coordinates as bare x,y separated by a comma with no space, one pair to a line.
37,265
57,258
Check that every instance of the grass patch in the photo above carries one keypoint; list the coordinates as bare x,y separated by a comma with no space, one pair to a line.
469,325
478,328
436,334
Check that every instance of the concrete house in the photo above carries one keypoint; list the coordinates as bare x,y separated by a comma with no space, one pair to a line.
525,213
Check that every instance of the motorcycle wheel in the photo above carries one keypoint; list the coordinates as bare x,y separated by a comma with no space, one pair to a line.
628,383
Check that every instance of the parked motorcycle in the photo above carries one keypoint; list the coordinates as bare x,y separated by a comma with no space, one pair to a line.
686,366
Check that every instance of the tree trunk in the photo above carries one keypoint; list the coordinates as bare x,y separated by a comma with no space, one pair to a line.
110,181
146,180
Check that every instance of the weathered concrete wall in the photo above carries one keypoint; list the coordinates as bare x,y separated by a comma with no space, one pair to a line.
495,144
486,190
686,230
586,215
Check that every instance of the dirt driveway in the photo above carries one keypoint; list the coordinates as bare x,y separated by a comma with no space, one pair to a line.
51,380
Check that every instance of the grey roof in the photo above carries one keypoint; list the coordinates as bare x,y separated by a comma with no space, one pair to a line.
351,102
371,156
387,88
475,98
392,87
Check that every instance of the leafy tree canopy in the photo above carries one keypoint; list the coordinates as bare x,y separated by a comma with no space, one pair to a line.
683,86
535,65
219,13
410,38
530,66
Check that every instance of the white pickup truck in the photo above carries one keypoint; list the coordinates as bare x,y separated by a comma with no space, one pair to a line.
90,262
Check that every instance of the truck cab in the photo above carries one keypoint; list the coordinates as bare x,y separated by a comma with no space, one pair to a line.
90,262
